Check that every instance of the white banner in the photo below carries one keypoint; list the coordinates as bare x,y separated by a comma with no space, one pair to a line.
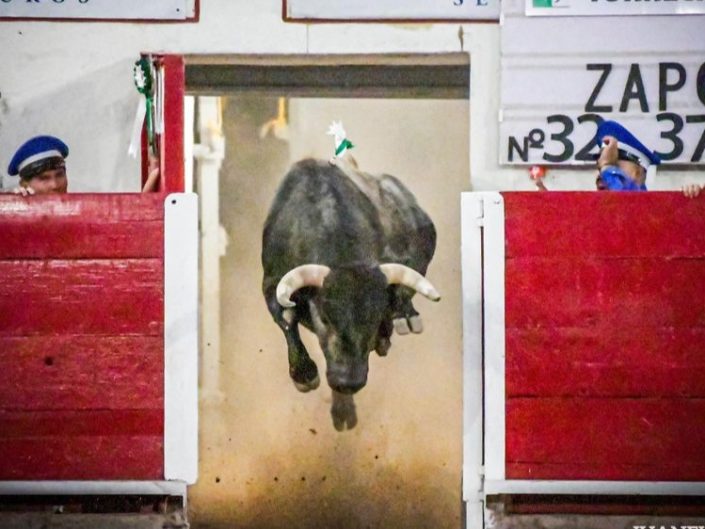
613,7
392,9
558,82
99,9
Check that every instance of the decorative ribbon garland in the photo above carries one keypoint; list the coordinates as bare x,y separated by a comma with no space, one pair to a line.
144,82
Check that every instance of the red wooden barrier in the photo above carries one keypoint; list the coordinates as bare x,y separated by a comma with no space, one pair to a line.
81,337
605,336
173,139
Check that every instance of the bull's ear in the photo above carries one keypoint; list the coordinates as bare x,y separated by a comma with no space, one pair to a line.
308,275
398,274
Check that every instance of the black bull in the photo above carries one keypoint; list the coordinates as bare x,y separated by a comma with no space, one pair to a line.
343,253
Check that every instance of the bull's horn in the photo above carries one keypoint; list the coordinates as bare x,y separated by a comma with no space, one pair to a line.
403,275
308,275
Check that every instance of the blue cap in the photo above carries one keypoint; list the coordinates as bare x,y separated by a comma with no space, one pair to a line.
632,149
36,150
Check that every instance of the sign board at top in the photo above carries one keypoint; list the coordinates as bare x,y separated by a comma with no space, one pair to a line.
350,10
99,9
558,8
559,81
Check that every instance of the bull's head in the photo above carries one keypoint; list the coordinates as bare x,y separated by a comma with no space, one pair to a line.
351,305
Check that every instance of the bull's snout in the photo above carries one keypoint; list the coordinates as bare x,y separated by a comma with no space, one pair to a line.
347,378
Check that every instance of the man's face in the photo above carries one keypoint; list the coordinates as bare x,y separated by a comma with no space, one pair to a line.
633,170
49,181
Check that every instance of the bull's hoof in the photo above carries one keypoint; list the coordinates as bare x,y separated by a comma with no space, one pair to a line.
404,325
305,376
416,324
343,412
383,345
401,326
308,386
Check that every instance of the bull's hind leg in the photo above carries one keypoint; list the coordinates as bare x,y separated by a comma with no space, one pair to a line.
404,315
302,369
384,335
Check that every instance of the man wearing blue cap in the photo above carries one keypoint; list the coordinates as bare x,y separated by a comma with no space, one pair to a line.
624,161
41,166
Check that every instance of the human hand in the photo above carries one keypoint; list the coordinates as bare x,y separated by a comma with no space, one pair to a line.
692,190
537,173
24,191
608,152
150,183
540,185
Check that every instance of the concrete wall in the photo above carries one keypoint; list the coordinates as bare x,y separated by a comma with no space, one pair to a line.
80,87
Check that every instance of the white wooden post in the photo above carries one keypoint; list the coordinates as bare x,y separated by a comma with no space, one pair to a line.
209,154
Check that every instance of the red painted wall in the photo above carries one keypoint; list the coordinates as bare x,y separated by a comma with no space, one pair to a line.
81,337
605,336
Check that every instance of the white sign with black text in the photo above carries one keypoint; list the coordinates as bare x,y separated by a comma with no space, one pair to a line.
559,84
565,8
392,9
99,9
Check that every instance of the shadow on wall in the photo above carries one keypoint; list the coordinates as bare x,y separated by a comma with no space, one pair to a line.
93,113
270,456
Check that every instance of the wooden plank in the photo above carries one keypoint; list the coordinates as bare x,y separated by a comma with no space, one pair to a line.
81,335
95,207
81,372
347,80
74,423
605,321
609,438
664,471
598,362
604,224
120,296
73,516
623,505
74,240
625,292
138,457
82,226
337,59
172,145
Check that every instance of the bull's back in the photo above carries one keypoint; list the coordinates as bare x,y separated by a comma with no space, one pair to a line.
410,233
319,216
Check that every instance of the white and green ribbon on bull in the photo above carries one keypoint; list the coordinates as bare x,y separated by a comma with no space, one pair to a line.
342,143
143,77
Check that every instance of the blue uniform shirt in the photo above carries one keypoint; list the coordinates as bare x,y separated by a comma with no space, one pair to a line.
614,179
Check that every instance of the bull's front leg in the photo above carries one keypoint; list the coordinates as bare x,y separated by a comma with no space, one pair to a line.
302,369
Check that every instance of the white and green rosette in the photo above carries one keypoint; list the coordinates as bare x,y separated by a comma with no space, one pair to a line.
342,143
143,77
